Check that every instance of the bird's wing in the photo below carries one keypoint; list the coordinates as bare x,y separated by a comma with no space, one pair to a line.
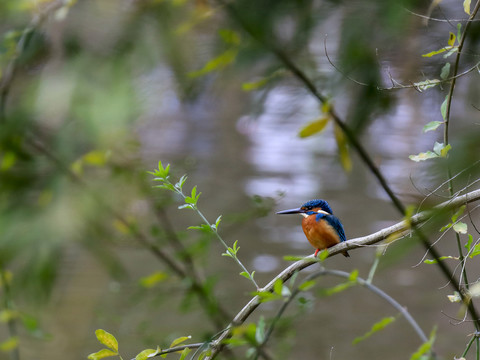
337,225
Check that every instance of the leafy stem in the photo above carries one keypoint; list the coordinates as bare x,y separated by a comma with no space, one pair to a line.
162,175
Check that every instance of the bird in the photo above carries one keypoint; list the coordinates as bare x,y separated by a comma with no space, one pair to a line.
321,227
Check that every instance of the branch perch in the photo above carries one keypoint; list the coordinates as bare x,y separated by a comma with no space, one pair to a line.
402,228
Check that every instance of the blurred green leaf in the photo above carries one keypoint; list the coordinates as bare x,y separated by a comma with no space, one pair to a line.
307,285
229,36
313,127
434,261
146,354
460,228
427,84
433,125
426,347
153,279
7,160
475,251
336,289
10,344
184,353
179,340
343,151
217,63
380,325
255,85
423,156
260,331
445,71
443,108
277,286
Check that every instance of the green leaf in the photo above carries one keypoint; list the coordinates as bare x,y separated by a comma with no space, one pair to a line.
459,31
425,347
445,71
8,160
165,186
336,289
446,227
102,354
423,156
475,251
217,222
162,172
180,182
376,327
443,108
184,353
342,145
193,198
322,255
458,213
452,51
153,279
451,38
433,125
202,227
353,275
8,315
455,298
229,36
217,63
313,127
254,85
445,150
427,84
245,274
147,353
307,285
460,228
187,206
277,286
96,158
466,6
179,340
292,258
107,339
468,245
436,52
434,261
10,344
260,331
266,296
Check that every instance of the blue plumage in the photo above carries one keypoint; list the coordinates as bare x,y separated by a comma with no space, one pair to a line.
335,223
317,203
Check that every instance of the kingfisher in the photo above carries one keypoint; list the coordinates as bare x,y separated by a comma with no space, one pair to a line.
320,226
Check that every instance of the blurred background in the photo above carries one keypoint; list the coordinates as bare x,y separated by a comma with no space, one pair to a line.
95,92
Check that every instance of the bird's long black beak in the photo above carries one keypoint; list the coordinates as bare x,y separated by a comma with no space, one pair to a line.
291,211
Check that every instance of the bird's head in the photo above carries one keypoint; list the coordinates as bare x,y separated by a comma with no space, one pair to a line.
310,207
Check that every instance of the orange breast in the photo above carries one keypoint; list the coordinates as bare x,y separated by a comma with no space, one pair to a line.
319,233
